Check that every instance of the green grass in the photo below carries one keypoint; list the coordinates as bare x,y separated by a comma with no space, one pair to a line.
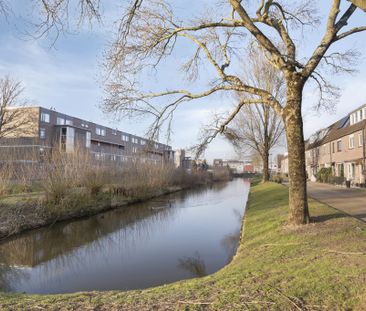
320,266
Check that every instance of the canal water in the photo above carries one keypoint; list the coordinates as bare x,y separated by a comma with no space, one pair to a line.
178,236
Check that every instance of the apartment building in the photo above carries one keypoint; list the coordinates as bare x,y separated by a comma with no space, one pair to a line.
341,146
47,129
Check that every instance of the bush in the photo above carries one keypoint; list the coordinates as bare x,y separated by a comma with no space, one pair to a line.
63,176
324,175
221,174
277,179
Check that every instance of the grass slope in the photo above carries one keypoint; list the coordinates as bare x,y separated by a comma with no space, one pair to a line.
321,266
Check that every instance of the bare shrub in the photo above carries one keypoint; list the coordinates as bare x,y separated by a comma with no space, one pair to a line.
221,174
6,175
61,173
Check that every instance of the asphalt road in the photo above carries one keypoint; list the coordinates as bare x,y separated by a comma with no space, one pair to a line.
351,201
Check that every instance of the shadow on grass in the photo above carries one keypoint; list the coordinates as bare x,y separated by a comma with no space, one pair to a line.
323,218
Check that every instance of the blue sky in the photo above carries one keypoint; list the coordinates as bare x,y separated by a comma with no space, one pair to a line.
69,76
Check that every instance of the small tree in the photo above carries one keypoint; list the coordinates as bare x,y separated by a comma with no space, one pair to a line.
258,127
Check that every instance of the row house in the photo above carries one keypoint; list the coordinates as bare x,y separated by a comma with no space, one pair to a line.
42,130
341,147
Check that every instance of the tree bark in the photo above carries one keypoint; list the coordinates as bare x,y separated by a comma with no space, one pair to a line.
265,160
299,212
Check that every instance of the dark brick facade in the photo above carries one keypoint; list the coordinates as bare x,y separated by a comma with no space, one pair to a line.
64,132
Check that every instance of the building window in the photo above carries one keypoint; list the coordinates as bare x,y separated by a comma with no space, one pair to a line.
143,142
114,132
70,139
351,141
135,140
134,149
360,140
69,122
87,139
60,121
339,145
351,170
333,147
125,138
83,124
42,133
156,146
45,117
100,131
113,157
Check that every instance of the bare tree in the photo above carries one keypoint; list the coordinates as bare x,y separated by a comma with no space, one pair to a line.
258,127
256,160
53,17
13,121
275,26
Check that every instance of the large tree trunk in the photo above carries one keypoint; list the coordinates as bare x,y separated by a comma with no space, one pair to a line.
299,212
265,160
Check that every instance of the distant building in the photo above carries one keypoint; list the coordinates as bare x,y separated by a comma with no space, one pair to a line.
249,168
50,130
179,156
236,166
218,163
187,163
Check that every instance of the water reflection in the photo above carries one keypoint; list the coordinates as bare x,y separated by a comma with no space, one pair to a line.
231,240
34,248
134,247
194,265
9,276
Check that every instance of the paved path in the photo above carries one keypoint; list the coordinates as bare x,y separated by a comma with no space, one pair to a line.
351,201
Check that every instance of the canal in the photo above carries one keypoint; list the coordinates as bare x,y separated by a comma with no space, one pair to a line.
186,234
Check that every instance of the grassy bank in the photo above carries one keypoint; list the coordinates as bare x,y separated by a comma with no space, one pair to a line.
321,266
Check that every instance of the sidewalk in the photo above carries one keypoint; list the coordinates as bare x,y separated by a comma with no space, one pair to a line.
351,201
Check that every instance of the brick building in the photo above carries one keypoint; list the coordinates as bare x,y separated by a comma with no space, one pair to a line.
341,146
48,129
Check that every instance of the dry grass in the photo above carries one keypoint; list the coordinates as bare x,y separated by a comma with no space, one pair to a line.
74,185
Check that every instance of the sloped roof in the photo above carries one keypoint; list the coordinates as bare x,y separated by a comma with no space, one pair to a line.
336,131
318,141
